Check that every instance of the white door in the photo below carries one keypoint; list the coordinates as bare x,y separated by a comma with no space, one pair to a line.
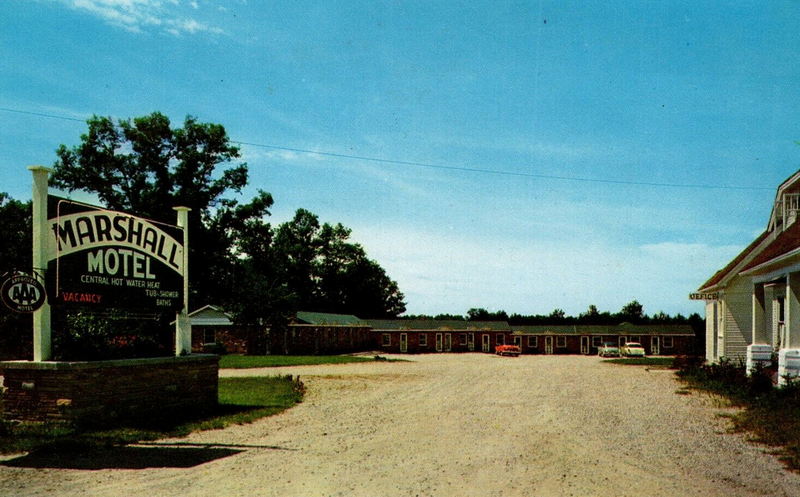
438,342
655,345
485,343
471,342
548,345
448,342
584,345
403,342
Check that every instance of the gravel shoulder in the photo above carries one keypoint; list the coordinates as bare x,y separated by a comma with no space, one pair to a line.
452,425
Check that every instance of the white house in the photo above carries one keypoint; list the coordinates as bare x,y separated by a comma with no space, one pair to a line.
753,303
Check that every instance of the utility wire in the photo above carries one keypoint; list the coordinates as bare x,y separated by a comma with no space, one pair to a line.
380,160
501,172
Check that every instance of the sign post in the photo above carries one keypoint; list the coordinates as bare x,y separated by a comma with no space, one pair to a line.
183,325
42,348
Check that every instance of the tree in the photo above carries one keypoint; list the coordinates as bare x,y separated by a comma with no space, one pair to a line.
146,167
325,272
15,225
482,314
15,255
296,244
632,312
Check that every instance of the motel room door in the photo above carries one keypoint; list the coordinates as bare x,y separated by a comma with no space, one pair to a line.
585,345
448,342
471,342
438,342
655,345
485,343
548,345
403,342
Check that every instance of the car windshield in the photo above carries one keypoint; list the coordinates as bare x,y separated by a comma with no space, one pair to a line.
635,345
610,346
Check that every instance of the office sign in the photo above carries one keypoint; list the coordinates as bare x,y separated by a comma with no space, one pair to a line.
99,258
704,296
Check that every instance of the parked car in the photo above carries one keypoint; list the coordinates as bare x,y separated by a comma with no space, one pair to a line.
632,349
608,349
511,350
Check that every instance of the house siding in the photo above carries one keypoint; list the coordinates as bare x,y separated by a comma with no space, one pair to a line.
738,326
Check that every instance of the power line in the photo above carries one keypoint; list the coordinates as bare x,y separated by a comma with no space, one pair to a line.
40,114
501,172
381,160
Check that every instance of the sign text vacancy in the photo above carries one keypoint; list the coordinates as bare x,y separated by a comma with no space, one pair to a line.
102,258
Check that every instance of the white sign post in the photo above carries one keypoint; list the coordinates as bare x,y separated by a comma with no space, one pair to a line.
42,348
183,325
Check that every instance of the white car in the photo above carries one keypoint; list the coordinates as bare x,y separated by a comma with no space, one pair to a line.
608,349
632,349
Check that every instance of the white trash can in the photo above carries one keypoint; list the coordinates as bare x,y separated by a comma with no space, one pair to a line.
788,365
758,353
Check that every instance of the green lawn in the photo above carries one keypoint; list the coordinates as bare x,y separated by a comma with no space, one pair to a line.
274,361
241,400
643,361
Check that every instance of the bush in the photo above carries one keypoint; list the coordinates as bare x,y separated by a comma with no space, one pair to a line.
728,378
215,348
84,336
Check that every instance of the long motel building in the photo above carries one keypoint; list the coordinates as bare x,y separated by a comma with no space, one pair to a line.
752,305
431,336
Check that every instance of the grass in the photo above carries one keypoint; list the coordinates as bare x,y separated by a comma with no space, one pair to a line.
241,400
643,361
274,361
769,415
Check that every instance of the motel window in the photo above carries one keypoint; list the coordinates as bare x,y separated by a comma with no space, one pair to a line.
668,342
463,338
209,335
501,339
561,342
423,340
533,341
597,341
387,339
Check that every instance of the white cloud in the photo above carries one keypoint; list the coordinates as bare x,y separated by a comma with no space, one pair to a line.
451,272
139,15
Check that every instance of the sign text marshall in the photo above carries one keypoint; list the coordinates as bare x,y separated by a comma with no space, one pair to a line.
102,258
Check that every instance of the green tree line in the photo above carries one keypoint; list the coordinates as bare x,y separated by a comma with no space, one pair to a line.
632,312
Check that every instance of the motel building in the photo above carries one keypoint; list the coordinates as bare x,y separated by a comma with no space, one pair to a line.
752,305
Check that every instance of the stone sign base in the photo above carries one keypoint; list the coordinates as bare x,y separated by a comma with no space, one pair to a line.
108,392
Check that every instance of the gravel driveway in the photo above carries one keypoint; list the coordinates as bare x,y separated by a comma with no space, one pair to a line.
445,425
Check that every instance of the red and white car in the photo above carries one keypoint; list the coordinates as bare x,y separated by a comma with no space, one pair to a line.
509,350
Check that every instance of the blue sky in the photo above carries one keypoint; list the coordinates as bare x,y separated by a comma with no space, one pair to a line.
534,155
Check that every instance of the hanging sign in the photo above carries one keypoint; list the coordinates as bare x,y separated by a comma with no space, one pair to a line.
704,296
100,258
22,292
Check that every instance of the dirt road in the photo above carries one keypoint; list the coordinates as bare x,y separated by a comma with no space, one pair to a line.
445,425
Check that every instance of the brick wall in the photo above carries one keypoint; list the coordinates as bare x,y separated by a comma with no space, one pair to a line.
102,392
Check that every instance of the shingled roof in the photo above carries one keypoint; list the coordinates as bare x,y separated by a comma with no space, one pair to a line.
436,324
722,273
623,329
324,318
785,243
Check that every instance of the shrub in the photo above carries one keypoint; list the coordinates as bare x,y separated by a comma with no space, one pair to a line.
215,348
85,336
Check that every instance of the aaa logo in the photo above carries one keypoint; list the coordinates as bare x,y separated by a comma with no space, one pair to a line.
21,292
